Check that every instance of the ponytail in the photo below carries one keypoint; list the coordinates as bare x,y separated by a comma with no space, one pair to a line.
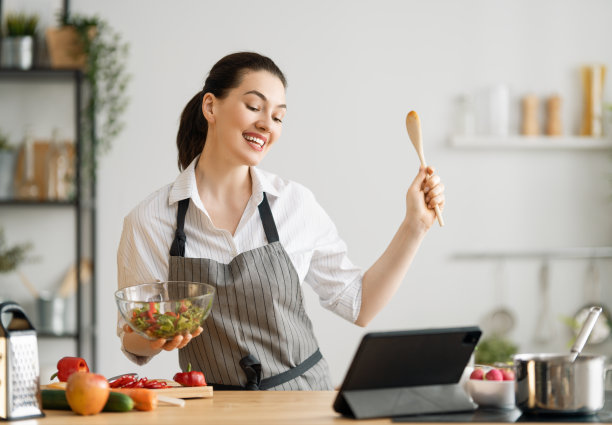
192,131
226,74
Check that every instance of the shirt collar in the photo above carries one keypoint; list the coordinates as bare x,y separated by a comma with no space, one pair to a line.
261,183
185,185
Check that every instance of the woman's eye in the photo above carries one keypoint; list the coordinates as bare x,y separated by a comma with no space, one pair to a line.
252,108
278,120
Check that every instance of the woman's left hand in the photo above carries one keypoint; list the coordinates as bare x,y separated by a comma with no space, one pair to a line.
178,342
425,192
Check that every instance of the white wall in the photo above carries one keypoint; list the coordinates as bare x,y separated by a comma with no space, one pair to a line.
355,68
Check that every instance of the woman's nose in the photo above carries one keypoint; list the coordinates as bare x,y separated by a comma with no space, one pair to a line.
264,124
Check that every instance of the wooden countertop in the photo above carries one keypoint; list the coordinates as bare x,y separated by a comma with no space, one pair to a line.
226,407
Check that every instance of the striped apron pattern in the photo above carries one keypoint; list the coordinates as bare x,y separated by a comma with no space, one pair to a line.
258,335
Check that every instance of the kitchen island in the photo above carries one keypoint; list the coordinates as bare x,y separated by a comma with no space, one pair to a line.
227,408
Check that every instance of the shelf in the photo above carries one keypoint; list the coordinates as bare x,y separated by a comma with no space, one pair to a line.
84,204
40,74
569,253
531,142
51,335
35,203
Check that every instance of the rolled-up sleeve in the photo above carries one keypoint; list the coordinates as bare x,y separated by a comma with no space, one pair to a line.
332,275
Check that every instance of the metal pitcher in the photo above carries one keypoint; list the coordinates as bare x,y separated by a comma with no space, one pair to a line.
19,368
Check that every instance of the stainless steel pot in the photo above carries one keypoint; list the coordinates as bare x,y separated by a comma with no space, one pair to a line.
552,383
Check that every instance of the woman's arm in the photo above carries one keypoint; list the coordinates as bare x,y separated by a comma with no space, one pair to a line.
139,260
381,281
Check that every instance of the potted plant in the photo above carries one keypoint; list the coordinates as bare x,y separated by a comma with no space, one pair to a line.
7,167
18,41
90,44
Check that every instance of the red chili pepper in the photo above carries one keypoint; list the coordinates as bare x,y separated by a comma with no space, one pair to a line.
67,366
154,384
122,381
190,378
130,381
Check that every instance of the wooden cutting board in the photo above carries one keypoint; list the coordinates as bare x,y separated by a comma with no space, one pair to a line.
174,389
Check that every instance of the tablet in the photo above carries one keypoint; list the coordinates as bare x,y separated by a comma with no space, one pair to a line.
429,361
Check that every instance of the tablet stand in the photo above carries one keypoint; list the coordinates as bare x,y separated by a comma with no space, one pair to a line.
402,401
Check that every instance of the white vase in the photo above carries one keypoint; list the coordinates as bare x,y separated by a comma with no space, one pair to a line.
17,52
7,173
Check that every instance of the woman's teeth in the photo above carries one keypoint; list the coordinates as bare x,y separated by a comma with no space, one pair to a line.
254,140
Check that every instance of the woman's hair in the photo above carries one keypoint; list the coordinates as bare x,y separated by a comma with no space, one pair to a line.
225,75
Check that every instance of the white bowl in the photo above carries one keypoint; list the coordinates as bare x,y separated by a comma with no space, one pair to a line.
499,394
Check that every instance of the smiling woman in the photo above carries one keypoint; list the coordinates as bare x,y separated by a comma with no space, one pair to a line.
243,115
256,238
227,74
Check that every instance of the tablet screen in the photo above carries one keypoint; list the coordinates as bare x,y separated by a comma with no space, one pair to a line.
411,358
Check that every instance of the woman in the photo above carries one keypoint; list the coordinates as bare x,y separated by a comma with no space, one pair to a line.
256,238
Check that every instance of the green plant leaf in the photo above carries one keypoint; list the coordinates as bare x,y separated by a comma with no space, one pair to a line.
494,349
21,24
10,258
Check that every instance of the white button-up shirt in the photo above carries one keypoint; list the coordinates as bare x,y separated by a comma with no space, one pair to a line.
305,230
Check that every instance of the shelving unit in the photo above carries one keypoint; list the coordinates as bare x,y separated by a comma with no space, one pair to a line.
83,206
531,142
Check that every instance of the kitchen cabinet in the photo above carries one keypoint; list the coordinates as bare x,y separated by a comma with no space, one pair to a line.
532,142
77,213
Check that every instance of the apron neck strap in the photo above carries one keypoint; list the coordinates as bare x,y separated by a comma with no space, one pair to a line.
177,249
268,220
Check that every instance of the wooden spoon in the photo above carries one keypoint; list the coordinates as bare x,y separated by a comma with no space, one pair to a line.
413,125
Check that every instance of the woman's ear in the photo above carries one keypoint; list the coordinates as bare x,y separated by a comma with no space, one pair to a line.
208,107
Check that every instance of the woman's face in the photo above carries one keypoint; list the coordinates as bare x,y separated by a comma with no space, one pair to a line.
249,119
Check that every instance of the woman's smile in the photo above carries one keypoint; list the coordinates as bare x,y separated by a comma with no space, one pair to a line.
255,140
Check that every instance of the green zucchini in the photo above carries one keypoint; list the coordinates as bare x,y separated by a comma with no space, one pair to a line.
56,400
118,402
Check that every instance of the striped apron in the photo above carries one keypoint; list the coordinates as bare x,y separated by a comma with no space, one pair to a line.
258,335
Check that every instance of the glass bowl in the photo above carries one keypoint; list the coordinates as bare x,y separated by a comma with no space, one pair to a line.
165,309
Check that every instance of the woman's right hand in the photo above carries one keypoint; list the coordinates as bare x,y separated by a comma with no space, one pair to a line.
424,194
179,341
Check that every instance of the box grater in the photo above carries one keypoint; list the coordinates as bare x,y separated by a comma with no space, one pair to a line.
19,369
